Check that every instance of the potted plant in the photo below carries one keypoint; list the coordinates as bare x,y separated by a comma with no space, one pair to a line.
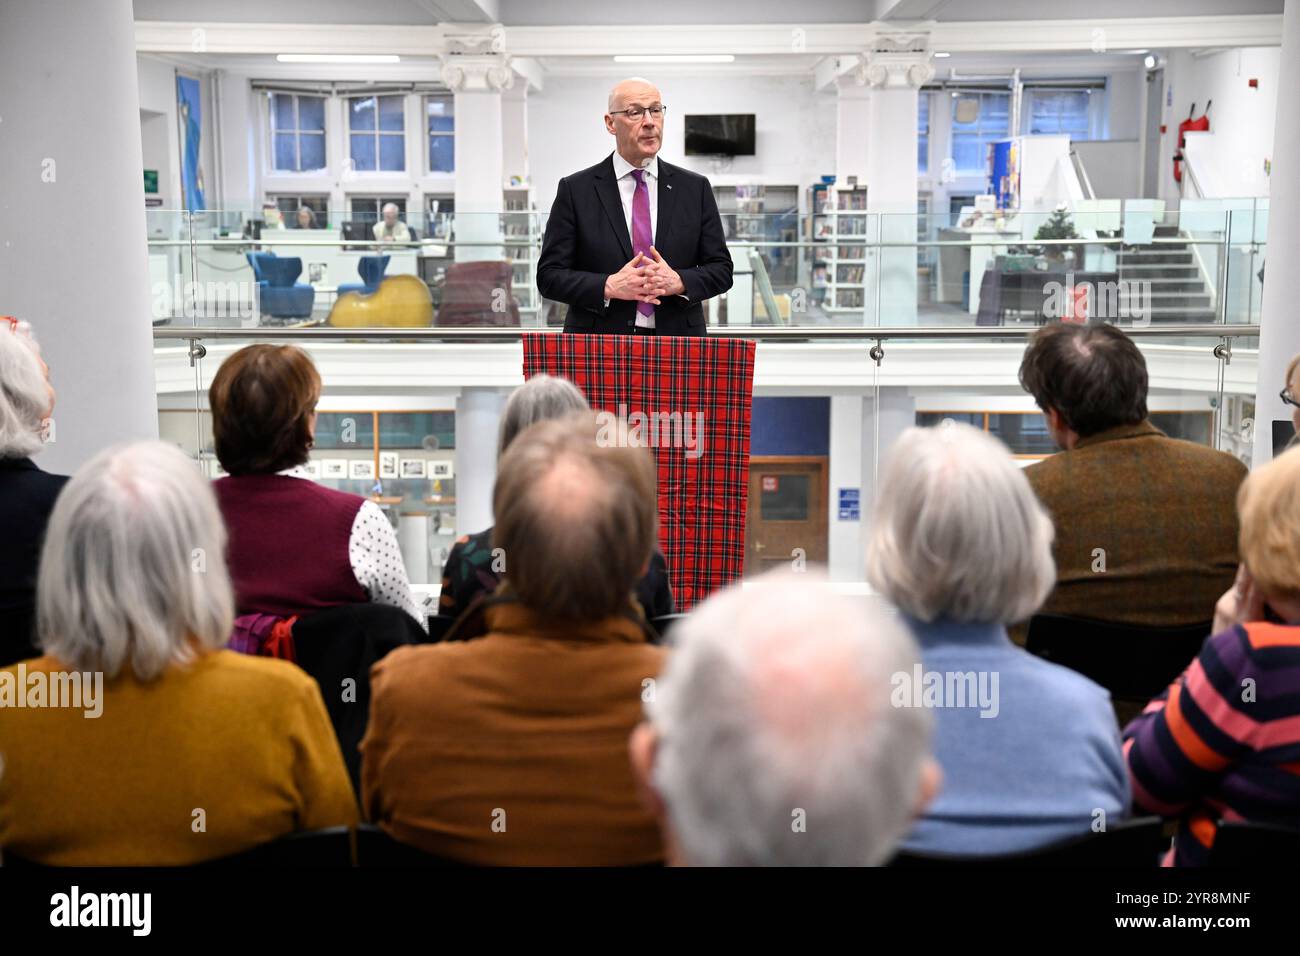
1060,226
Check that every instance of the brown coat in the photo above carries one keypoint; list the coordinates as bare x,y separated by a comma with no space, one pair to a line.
1163,511
512,749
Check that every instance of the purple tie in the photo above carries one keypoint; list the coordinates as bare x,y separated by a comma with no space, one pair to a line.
642,236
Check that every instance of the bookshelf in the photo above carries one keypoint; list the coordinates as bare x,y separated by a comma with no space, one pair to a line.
519,221
839,266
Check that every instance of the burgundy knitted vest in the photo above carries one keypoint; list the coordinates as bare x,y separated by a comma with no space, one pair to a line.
288,551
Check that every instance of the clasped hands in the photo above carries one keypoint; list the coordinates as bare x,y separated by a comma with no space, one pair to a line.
644,279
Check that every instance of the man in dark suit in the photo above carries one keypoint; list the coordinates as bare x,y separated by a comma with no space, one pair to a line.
634,245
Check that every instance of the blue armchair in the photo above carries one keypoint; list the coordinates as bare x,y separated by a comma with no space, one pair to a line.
279,292
371,269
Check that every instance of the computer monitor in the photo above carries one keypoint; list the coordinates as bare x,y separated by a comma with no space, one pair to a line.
253,229
357,231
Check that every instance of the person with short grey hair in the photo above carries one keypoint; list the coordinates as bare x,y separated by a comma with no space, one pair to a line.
390,228
1030,751
472,570
771,737
134,607
27,493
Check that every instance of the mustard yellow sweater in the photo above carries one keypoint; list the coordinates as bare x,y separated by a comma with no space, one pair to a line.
210,759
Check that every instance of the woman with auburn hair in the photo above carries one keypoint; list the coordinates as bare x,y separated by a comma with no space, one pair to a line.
295,545
1221,742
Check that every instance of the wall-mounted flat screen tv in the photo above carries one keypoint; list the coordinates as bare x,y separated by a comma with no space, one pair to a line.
720,134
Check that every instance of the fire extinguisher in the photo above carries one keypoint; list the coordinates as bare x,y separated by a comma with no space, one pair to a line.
1199,125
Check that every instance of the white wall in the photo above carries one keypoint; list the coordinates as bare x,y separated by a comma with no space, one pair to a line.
159,136
795,142
1241,119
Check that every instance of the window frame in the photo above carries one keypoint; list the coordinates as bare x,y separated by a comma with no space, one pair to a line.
979,133
377,133
297,132
429,134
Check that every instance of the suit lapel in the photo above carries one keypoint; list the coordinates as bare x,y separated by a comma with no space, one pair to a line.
607,190
663,228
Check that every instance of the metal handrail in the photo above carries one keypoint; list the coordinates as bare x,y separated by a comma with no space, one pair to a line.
783,334
1077,161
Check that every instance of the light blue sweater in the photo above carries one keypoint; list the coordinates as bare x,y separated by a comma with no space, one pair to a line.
1037,769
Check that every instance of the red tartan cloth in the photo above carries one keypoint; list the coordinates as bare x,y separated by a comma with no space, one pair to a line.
703,490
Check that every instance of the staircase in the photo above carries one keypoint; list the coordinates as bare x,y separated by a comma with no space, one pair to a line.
1178,293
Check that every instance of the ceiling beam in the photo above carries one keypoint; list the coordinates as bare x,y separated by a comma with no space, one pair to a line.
1097,36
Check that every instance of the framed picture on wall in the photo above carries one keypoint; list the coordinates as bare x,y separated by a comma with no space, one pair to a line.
313,469
362,469
440,469
334,468
412,468
388,464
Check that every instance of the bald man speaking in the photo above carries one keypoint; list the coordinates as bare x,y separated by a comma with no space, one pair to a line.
634,245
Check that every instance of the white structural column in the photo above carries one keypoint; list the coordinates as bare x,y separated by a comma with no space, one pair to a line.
1280,336
73,259
477,80
856,420
514,132
895,70
478,419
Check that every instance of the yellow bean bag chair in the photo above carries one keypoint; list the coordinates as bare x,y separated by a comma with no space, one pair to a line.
400,302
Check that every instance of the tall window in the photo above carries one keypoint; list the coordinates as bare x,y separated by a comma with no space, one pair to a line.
289,206
1059,111
977,120
371,208
377,133
922,132
297,132
440,124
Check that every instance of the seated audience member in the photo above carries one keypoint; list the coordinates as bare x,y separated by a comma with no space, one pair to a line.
472,569
1221,742
295,545
1030,750
306,218
1145,528
771,738
27,493
512,749
390,228
174,751
1291,396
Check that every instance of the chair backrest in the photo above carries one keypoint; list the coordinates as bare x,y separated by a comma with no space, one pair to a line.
1243,843
1133,843
371,268
439,625
375,848
665,623
1131,662
470,291
315,849
342,643
275,270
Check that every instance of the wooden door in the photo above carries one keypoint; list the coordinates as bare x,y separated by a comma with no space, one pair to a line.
787,511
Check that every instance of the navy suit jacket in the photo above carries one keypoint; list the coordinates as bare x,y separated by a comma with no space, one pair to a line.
587,241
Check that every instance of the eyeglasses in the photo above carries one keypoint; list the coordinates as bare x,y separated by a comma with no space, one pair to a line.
634,113
1287,397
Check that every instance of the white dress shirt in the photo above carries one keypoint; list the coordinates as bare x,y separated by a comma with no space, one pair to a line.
627,191
375,557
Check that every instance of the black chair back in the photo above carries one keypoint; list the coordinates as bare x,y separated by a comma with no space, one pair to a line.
341,644
439,625
1254,844
1133,663
1134,843
311,849
376,849
663,624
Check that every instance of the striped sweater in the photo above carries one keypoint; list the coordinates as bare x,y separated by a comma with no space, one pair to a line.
1223,742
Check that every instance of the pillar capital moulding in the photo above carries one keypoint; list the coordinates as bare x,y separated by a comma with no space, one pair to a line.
896,61
477,72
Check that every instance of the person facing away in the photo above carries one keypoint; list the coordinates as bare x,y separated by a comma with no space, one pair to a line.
295,545
1030,750
27,493
771,738
164,749
1221,742
1146,531
634,245
474,569
511,749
